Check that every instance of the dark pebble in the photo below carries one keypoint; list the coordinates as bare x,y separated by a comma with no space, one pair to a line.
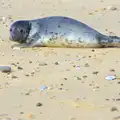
39,104
87,65
27,93
21,112
107,99
27,75
95,73
61,84
85,76
113,109
90,84
30,61
118,99
13,64
74,65
65,78
14,77
84,57
112,70
89,56
32,73
118,82
56,63
97,87
78,78
20,68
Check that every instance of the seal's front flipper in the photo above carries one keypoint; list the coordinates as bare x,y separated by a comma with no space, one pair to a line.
24,45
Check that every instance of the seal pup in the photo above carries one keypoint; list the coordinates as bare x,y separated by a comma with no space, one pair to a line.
58,31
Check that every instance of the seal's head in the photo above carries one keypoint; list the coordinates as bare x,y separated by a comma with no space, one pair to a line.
19,31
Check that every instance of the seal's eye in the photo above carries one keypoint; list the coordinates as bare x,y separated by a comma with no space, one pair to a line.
21,30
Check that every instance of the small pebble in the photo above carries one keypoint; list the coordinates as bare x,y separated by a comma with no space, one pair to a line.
78,78
20,68
116,118
39,104
112,8
86,65
3,19
112,70
102,9
13,64
90,13
42,64
89,56
56,63
65,78
78,67
32,73
72,118
107,99
61,84
27,93
114,109
27,75
30,61
21,112
118,99
14,77
118,82
50,87
60,88
85,76
90,84
110,77
5,69
43,88
95,73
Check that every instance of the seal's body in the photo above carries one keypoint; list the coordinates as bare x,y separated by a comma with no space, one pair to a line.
58,31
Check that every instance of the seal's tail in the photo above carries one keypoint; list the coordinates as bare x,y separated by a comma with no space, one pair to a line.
110,41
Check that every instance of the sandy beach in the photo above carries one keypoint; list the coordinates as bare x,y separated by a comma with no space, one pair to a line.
60,83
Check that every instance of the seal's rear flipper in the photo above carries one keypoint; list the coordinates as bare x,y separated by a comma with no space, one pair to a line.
110,41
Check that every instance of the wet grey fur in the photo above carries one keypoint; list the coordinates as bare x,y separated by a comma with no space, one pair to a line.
58,31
